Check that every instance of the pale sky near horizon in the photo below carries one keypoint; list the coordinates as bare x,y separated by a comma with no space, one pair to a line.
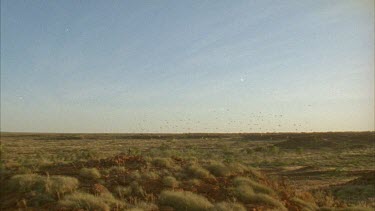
187,66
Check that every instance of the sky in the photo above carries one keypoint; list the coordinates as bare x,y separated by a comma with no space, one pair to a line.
187,66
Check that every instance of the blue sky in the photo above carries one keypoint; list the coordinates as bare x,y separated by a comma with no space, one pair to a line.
187,66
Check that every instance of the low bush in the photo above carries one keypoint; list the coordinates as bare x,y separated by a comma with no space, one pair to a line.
150,175
83,201
52,185
109,199
135,175
144,206
27,182
304,205
163,162
194,182
198,172
123,192
259,188
90,173
345,209
137,189
118,169
219,169
185,200
246,194
229,206
170,182
238,168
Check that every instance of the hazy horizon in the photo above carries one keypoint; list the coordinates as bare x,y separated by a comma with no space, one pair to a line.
187,66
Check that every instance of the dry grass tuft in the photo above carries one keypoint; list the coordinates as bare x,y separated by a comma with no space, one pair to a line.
246,194
229,206
304,205
90,173
219,169
185,200
259,188
170,182
163,162
199,172
53,185
83,201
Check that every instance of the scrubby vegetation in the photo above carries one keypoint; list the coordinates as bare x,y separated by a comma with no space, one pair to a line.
90,173
229,206
84,201
214,173
185,200
52,185
170,182
218,169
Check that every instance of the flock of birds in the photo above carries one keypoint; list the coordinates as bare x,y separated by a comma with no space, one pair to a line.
221,121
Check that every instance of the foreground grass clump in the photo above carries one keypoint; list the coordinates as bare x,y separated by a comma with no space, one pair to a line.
170,182
303,204
199,172
26,182
143,206
229,206
90,173
117,169
133,189
53,185
218,169
123,192
184,200
247,195
84,201
259,188
346,209
163,162
238,168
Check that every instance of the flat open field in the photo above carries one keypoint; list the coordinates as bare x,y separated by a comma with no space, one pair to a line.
308,171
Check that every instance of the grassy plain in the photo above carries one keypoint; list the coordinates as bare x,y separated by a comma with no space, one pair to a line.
281,171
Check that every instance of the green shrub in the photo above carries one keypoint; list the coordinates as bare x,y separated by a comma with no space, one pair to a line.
238,181
84,201
218,169
229,206
170,182
90,173
185,200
